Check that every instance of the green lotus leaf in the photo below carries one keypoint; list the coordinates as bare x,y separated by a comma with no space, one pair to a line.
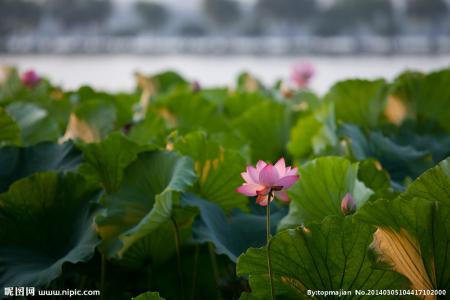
416,224
231,140
187,111
13,90
144,200
18,162
46,220
35,123
52,99
106,160
323,184
231,235
99,115
399,160
159,246
59,109
216,95
374,177
266,127
11,87
149,296
313,133
151,130
427,98
123,102
436,144
412,239
358,101
414,230
247,82
329,256
433,185
217,168
168,80
9,130
305,101
85,93
238,103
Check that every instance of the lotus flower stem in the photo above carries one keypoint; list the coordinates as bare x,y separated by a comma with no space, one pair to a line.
194,275
177,248
268,238
215,268
83,281
103,276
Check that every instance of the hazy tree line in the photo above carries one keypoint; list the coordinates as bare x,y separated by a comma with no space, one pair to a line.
281,16
21,15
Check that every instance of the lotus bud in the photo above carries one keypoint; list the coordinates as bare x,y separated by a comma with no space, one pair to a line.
348,205
127,128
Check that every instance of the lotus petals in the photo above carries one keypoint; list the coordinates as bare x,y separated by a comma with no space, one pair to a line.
262,200
287,181
282,196
290,172
302,74
249,189
348,205
247,177
268,176
267,179
260,165
254,174
281,167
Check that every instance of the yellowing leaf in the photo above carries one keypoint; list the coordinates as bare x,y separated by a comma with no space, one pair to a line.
79,129
395,110
402,251
147,84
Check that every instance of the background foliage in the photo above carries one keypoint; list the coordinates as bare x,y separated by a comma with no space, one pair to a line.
135,192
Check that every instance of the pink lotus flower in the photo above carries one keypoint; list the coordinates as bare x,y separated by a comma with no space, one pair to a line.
348,205
30,79
268,179
302,74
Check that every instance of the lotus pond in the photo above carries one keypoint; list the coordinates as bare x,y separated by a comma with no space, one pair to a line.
164,192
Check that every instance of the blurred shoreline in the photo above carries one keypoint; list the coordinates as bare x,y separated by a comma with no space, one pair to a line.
114,72
227,46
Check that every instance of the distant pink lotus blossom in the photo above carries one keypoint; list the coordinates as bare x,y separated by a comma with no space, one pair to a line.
268,179
302,74
196,87
348,205
30,78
